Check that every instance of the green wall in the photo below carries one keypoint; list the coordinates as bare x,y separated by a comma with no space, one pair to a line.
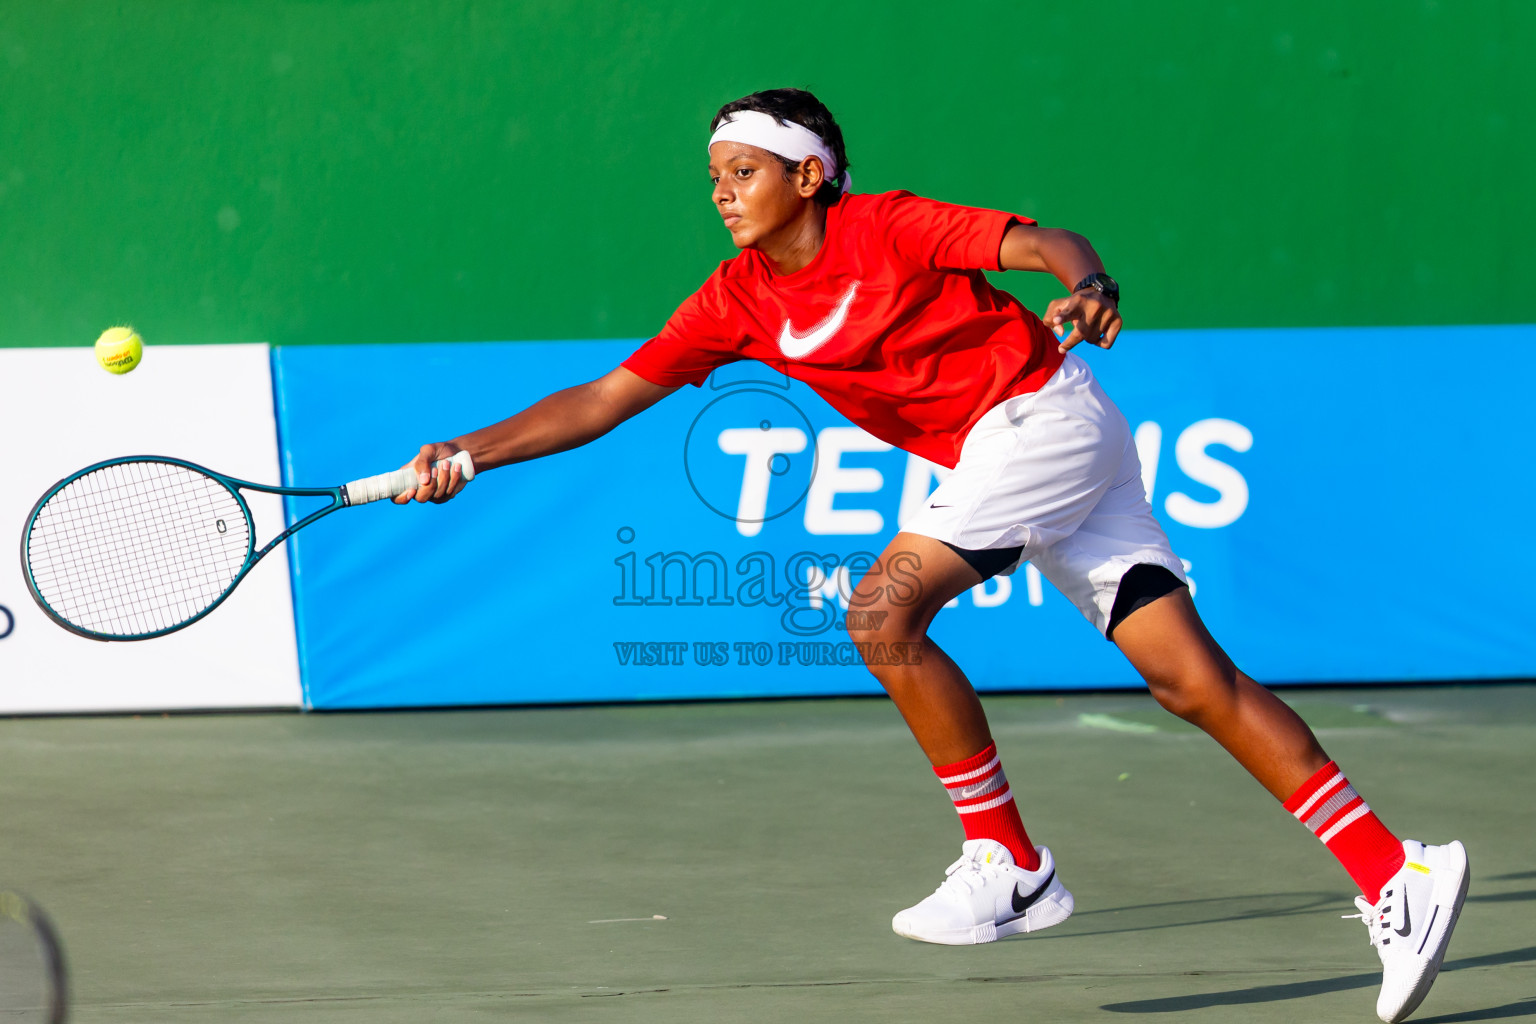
302,171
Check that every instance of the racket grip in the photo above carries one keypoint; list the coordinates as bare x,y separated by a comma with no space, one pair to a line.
391,485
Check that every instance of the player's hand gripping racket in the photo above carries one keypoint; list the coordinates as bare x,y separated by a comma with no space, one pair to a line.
130,549
32,976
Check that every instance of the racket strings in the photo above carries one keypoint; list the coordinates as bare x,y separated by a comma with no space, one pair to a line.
137,547
109,569
130,561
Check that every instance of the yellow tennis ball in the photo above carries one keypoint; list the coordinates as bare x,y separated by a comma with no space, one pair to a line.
119,349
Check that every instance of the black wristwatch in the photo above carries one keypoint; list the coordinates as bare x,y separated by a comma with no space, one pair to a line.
1104,283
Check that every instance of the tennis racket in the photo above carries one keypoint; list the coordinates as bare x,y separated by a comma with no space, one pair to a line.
32,975
134,548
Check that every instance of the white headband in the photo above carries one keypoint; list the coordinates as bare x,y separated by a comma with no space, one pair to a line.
789,140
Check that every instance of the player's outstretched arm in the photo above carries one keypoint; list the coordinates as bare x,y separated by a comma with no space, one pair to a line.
561,421
1068,256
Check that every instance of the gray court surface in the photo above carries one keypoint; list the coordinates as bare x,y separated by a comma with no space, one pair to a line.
508,865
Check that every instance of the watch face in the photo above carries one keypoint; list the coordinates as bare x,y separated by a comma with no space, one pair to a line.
1103,283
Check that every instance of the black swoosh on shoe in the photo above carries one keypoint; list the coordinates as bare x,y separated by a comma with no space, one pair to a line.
1022,903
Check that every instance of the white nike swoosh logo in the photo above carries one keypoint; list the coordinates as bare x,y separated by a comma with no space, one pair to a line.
798,346
967,792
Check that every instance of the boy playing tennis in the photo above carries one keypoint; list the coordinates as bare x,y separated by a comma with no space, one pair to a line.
878,302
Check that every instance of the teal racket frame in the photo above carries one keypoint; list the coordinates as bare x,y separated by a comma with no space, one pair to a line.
232,484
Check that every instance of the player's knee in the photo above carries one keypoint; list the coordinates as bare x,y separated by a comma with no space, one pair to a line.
880,629
1176,699
1192,693
881,624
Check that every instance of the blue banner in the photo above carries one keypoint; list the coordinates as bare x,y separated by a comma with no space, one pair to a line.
1341,498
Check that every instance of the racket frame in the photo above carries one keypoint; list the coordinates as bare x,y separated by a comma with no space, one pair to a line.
234,485
19,908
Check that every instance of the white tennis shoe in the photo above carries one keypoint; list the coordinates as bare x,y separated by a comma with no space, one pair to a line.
985,897
1411,924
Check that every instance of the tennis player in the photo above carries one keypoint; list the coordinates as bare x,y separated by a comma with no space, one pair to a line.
879,303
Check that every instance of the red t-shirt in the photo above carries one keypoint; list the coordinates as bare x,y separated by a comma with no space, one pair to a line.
892,322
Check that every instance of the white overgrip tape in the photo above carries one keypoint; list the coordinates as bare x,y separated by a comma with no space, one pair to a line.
391,485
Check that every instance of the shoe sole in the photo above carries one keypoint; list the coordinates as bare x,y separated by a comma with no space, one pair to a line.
1450,892
1051,909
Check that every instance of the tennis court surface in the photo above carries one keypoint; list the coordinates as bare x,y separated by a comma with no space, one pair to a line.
515,864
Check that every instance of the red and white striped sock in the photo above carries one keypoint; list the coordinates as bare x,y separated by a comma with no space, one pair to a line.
1329,806
980,791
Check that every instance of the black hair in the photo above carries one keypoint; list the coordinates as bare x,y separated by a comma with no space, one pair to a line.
807,111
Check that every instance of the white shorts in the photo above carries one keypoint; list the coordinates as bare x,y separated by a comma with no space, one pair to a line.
1056,473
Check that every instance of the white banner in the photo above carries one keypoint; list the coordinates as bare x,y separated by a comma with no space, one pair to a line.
208,404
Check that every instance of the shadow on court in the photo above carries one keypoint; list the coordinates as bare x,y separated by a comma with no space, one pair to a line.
1300,989
1524,1008
1192,913
1504,897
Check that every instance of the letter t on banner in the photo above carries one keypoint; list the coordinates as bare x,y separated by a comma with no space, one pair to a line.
759,446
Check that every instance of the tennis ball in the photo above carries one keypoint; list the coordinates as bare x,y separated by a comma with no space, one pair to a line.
119,349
